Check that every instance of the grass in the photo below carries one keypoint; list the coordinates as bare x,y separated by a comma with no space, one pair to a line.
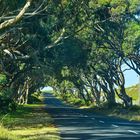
29,122
131,114
133,91
119,111
6,135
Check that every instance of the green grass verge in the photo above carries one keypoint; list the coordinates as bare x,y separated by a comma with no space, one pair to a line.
29,122
131,114
119,111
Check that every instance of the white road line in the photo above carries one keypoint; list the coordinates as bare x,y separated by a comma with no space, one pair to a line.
85,116
93,118
101,121
134,132
115,125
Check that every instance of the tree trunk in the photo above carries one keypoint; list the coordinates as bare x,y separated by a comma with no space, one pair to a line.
126,99
27,92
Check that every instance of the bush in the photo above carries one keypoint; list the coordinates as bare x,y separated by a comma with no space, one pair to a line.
134,108
107,105
2,79
79,102
7,105
34,99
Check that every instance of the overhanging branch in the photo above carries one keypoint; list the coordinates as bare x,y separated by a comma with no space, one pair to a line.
12,21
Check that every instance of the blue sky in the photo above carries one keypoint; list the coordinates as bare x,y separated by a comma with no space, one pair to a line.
131,78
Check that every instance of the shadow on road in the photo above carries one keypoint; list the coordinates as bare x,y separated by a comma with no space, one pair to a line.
82,124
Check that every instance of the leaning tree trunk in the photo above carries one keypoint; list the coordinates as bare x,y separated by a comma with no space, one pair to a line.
89,98
112,94
126,99
24,93
121,83
108,91
82,95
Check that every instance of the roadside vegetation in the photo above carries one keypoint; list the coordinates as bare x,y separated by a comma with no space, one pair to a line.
131,113
118,110
78,47
134,92
29,122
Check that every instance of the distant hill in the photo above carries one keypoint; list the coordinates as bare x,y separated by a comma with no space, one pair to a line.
134,92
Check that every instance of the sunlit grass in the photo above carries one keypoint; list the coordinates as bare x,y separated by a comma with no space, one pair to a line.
133,92
5,134
29,122
130,117
132,113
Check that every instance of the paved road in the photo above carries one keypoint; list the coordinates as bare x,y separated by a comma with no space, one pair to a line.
82,124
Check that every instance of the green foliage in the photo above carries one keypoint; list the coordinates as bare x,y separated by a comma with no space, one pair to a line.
134,108
34,98
7,105
78,102
71,99
98,3
131,38
134,6
107,105
67,44
3,79
118,6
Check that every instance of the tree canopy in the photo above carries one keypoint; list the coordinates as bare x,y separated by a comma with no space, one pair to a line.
69,44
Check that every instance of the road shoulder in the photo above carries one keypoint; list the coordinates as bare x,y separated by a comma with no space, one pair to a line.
29,122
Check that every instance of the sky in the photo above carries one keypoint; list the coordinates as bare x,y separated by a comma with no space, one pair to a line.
46,88
131,78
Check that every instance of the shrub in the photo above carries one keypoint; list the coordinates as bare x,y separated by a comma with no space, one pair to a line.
7,105
134,108
34,99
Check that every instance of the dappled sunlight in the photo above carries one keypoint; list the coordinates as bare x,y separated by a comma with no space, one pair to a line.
31,122
86,124
84,52
37,133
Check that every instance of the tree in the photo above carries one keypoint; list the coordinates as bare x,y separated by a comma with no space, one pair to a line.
81,44
17,18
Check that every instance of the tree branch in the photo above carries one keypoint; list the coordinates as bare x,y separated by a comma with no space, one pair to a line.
10,22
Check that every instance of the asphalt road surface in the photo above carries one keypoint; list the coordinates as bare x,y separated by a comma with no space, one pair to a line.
83,124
